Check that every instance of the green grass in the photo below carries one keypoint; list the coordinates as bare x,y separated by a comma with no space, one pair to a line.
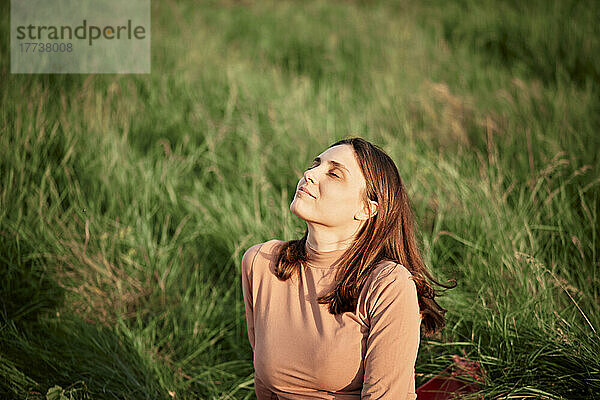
127,201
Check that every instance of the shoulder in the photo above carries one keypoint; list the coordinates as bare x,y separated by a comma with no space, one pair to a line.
388,271
260,253
390,281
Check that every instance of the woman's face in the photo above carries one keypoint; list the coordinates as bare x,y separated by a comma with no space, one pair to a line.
334,183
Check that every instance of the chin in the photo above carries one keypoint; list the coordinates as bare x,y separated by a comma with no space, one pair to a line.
298,213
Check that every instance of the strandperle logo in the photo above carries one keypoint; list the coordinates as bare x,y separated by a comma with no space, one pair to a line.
80,36
83,31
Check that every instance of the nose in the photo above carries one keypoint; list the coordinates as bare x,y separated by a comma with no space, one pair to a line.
308,177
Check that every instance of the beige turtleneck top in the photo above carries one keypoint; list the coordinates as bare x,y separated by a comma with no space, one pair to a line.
301,351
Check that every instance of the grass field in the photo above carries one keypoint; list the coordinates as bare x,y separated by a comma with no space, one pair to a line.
127,201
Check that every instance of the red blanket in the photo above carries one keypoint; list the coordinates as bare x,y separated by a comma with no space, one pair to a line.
453,381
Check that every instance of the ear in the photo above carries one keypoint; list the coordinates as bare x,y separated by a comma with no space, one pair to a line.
364,213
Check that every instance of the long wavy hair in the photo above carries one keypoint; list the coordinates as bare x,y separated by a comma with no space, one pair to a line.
387,235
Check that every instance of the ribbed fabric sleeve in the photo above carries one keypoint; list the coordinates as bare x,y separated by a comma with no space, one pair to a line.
262,392
394,335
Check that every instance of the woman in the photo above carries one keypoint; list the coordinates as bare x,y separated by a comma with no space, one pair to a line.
337,314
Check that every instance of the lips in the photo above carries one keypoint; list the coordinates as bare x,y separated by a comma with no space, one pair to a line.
302,189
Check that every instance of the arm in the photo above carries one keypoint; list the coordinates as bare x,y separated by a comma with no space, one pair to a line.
262,392
393,340
247,262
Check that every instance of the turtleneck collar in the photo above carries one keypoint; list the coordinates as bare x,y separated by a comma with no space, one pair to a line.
322,259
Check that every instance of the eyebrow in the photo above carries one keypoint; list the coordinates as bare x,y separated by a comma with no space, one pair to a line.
334,163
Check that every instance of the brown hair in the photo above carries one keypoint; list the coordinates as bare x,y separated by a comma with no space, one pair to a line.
389,234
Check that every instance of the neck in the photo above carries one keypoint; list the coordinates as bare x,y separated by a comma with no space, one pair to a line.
325,239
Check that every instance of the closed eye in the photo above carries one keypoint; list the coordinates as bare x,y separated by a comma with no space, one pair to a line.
330,173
